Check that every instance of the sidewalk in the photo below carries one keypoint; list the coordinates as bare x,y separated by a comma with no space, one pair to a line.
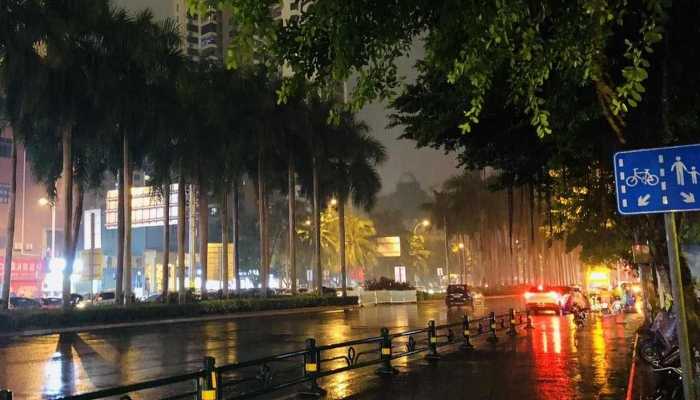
232,316
553,361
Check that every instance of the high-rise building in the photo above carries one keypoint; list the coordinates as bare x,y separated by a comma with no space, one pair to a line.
204,37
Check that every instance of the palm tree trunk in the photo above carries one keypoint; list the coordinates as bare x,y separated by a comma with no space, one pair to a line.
77,218
67,146
128,179
181,227
166,241
224,243
291,197
264,274
341,245
7,272
119,291
447,248
317,228
235,217
203,233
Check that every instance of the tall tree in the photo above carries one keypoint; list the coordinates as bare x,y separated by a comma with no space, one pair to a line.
350,173
9,246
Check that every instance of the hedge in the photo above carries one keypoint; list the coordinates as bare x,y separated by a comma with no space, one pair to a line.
19,320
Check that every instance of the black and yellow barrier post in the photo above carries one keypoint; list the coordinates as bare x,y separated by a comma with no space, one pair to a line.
312,367
432,342
467,345
5,395
529,321
492,328
512,331
209,381
385,349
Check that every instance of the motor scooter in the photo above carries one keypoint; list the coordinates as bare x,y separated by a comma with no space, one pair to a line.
660,339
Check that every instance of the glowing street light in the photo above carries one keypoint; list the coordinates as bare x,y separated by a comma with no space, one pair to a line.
44,202
334,202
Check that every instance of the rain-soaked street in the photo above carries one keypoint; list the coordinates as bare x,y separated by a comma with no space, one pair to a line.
553,361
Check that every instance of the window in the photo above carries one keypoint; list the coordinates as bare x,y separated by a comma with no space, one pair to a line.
209,28
5,147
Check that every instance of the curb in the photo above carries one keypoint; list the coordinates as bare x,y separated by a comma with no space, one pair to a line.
255,314
633,370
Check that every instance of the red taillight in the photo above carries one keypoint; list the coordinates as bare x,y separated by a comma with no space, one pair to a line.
528,295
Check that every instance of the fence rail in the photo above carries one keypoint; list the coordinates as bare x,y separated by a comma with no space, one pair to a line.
305,367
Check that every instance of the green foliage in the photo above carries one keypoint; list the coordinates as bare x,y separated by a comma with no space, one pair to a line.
53,319
360,247
472,43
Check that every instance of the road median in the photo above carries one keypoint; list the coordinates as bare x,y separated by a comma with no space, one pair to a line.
42,322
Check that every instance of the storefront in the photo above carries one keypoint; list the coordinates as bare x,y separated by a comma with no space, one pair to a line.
27,276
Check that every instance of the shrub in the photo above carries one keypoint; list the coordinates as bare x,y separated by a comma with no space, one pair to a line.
18,320
387,284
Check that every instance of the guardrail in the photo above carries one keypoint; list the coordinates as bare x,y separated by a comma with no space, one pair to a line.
305,367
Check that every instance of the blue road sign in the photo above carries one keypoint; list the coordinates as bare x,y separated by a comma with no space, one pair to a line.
658,180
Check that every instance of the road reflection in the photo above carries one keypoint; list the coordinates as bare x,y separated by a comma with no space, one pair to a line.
587,361
50,366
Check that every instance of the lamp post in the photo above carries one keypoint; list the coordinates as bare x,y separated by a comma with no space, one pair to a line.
44,202
461,259
423,223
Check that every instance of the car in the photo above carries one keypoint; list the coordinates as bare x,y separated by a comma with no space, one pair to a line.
24,303
458,294
106,298
154,298
51,302
542,298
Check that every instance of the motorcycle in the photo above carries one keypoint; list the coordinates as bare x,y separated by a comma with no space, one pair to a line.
579,316
661,338
669,385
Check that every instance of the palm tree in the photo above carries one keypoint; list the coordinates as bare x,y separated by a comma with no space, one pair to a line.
350,172
7,274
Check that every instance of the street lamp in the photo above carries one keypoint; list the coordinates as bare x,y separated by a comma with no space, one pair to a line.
44,202
334,202
424,224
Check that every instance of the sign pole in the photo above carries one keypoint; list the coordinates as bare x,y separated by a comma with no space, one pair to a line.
679,305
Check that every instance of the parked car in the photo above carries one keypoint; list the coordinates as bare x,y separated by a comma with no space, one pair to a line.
106,298
51,302
458,294
24,303
542,298
154,298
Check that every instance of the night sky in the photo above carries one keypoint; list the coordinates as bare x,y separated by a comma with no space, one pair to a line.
430,167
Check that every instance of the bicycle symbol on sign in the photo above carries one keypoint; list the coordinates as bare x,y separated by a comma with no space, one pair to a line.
645,177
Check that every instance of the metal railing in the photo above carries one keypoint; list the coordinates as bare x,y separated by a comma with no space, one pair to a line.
305,367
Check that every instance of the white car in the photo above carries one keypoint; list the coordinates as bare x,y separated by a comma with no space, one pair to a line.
106,298
542,299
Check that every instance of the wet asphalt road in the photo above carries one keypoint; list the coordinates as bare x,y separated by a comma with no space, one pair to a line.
48,367
556,360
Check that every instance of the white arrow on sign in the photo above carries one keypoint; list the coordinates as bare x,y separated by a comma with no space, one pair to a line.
688,198
643,201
